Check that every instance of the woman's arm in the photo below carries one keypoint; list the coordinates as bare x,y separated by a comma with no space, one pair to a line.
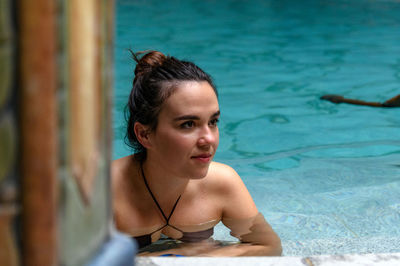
256,236
241,216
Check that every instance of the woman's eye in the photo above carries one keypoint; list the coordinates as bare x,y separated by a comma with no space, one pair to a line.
214,122
187,124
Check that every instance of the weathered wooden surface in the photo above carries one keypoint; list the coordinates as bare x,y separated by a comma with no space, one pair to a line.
84,91
6,40
8,250
38,125
65,78
85,210
9,254
7,118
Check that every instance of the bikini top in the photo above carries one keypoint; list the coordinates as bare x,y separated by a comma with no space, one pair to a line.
145,240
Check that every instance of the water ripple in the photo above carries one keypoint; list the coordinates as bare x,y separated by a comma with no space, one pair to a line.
293,152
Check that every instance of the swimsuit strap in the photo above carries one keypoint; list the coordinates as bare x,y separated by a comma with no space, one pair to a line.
158,205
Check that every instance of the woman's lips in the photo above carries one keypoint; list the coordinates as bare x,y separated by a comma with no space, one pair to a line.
205,158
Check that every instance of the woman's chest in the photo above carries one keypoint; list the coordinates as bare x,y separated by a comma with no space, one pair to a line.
188,215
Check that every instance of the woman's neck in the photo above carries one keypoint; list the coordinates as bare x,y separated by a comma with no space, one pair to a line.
165,186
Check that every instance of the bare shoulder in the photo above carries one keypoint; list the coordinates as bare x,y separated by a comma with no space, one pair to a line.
120,168
117,168
118,164
223,176
231,191
222,168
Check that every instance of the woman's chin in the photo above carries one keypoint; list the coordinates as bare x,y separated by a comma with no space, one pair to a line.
199,173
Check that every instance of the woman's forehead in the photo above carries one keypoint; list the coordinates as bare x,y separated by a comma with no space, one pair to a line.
191,97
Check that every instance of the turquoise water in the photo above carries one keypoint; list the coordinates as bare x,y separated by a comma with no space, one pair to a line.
327,177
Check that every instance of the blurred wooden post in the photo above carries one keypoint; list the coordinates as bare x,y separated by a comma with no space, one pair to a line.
38,125
65,74
85,210
84,92
8,137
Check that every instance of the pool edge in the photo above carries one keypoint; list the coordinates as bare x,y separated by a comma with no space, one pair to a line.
386,259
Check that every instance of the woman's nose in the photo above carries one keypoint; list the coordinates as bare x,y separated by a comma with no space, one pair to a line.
207,136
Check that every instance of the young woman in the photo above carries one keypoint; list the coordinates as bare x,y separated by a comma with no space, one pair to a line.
171,186
393,102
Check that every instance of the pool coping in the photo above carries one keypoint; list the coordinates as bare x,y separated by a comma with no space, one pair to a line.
386,259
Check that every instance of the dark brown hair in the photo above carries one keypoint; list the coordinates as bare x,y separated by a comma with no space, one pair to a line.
156,78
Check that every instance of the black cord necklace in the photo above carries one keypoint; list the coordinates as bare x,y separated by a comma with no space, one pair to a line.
156,202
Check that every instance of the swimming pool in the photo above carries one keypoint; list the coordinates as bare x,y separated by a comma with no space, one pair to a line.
327,177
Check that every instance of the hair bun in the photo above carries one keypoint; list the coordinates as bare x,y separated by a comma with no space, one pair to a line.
146,62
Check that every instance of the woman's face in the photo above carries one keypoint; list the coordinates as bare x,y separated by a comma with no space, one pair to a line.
186,137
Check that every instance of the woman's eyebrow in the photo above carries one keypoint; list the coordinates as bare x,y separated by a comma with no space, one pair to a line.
186,117
217,113
194,117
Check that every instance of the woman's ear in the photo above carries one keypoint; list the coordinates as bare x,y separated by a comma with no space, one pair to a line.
142,133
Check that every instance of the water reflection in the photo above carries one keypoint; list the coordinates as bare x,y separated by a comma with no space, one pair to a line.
253,234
